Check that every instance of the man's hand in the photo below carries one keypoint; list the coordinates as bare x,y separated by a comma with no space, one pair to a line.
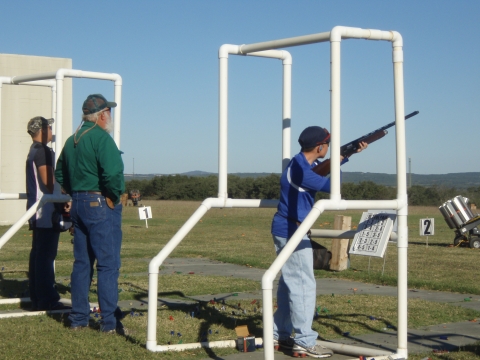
110,203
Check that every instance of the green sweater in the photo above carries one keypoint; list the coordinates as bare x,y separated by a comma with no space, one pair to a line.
94,164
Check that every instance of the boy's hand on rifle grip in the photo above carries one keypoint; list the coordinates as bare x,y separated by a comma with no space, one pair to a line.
362,146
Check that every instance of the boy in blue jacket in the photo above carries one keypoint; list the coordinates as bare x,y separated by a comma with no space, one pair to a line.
296,295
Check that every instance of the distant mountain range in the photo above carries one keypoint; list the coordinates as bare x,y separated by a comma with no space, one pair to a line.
452,180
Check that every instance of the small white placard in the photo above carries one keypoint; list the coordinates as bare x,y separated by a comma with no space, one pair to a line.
145,212
373,234
427,227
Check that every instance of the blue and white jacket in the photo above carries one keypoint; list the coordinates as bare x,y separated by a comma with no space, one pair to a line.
298,186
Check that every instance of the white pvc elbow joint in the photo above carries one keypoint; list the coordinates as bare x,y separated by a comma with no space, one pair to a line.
336,33
226,49
397,40
287,58
118,79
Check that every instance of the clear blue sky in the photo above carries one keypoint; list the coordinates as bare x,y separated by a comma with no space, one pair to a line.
167,55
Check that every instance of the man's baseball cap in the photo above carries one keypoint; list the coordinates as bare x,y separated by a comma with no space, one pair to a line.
37,123
96,102
313,136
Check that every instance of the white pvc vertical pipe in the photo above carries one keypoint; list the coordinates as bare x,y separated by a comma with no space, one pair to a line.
152,310
58,121
267,310
335,42
402,242
54,115
223,120
117,112
286,112
54,101
223,128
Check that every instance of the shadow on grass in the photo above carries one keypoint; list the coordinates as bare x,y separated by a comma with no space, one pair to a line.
324,319
474,349
434,342
93,325
210,313
443,245
14,288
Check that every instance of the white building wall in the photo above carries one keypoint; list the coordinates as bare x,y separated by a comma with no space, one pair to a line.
19,104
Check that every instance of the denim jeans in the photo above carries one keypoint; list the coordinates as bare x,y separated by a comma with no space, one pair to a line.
98,236
41,273
296,295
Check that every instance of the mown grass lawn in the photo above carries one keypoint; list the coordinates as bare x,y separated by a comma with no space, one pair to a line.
239,236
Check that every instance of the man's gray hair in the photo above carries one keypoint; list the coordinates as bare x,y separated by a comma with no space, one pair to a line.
91,117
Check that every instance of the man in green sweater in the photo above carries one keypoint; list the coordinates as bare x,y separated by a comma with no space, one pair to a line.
90,170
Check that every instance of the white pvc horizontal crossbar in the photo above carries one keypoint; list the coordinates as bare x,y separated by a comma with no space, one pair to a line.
14,301
15,314
340,234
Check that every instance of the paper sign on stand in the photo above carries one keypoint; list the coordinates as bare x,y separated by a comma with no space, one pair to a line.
145,213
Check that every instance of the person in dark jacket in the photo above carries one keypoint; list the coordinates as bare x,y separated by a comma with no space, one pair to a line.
40,180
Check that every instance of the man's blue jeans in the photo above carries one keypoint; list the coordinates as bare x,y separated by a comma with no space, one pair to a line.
41,272
296,295
98,236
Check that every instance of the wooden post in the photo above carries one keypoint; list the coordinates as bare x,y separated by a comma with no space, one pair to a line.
339,260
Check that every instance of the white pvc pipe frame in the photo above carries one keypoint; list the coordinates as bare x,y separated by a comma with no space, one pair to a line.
59,77
335,202
57,105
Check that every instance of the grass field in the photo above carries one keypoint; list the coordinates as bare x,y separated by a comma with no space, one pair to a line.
239,236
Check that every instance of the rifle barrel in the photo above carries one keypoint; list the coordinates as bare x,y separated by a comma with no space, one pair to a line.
393,122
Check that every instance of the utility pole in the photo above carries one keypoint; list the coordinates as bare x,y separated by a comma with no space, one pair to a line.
133,171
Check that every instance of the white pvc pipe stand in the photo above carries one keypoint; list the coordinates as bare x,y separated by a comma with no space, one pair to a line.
335,203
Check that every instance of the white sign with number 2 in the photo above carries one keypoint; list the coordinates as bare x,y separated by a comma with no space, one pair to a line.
426,227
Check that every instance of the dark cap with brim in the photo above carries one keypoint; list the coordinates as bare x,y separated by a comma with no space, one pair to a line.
95,103
37,123
313,136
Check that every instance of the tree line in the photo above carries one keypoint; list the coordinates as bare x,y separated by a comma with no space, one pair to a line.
181,187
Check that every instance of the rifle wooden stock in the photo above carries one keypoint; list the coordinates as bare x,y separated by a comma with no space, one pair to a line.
347,150
322,169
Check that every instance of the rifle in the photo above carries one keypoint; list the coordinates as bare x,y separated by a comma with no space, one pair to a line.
351,148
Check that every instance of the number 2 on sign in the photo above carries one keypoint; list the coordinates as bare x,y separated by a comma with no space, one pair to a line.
426,227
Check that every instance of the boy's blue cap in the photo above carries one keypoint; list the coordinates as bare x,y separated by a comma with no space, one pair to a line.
313,136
